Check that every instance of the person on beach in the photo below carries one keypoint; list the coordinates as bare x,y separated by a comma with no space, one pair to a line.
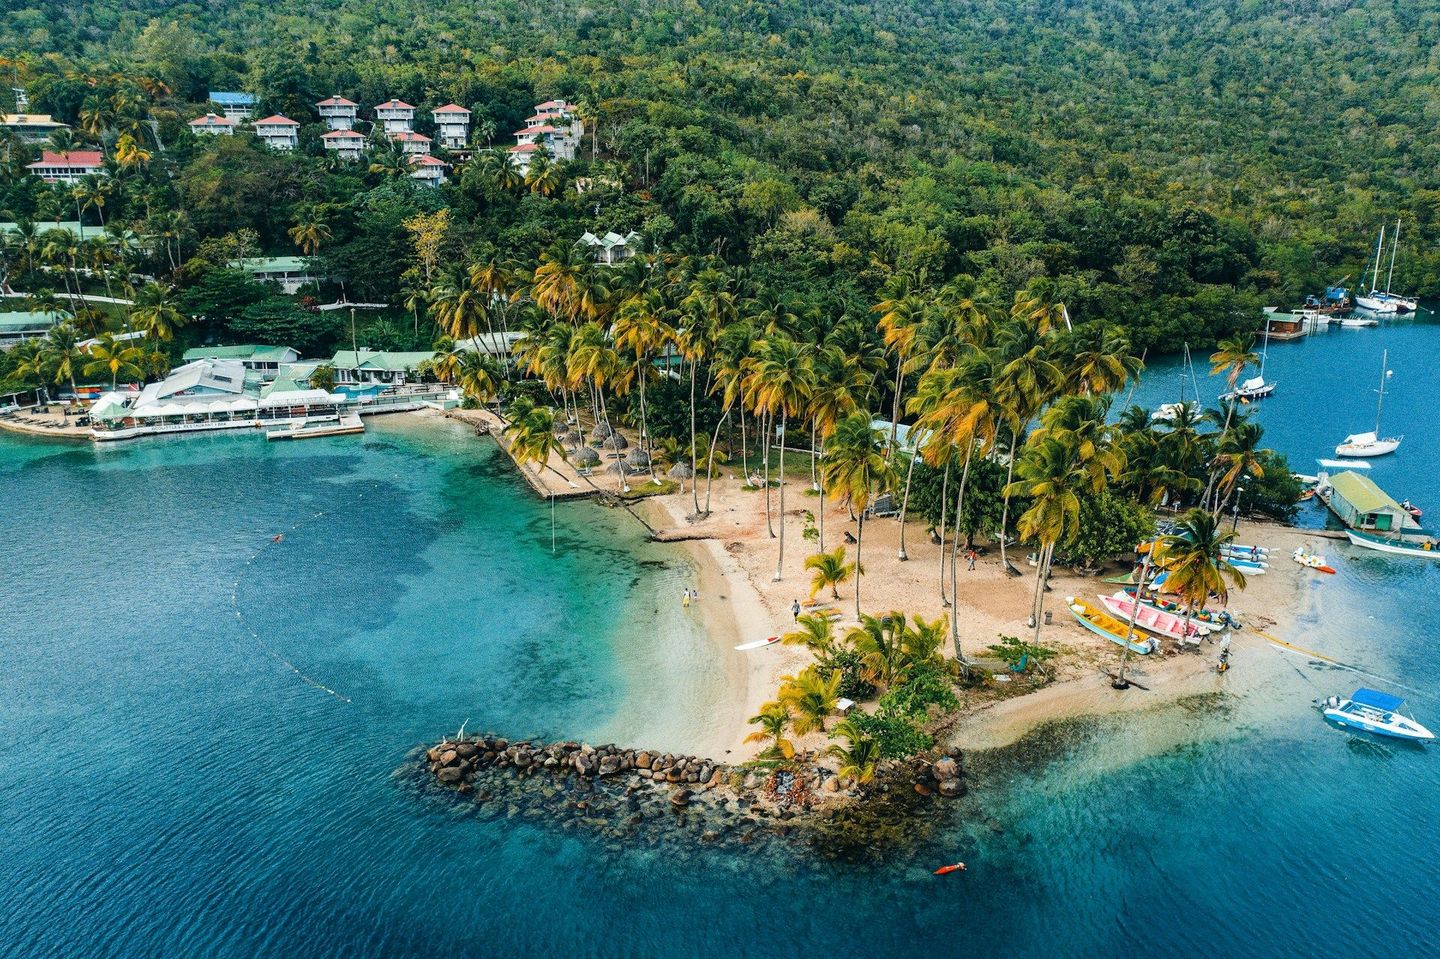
685,598
795,610
970,557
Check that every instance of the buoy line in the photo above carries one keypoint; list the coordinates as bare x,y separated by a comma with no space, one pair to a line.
255,634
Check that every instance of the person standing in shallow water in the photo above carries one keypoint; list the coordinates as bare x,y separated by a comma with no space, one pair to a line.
685,598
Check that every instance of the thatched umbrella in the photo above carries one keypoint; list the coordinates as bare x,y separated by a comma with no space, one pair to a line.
585,456
571,438
616,441
618,467
681,471
638,458
602,430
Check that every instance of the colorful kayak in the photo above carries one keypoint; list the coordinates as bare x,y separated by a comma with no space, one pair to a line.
1313,560
1152,620
953,867
1103,624
758,644
1212,617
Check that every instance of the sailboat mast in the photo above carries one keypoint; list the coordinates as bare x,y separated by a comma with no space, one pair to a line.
1394,244
1379,252
1380,403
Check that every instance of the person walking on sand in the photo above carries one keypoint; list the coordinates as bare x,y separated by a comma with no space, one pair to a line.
970,557
795,610
685,598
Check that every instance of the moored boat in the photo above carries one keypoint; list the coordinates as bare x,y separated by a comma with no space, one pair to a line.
1423,549
1375,712
1103,624
1313,560
1252,389
1152,620
1365,445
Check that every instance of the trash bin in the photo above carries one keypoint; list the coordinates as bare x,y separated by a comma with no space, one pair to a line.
1047,617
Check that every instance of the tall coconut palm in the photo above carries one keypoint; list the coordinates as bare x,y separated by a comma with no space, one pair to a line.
478,375
1052,477
115,357
860,755
541,176
880,641
709,306
1239,455
63,354
727,372
641,330
815,632
1193,555
902,318
780,380
829,569
853,467
841,383
129,154
309,234
156,311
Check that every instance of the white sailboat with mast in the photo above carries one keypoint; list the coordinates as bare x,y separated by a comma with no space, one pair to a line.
1255,388
1385,301
1371,444
1168,411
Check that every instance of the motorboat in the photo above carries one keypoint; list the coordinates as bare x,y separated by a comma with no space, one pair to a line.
1103,624
1167,412
1255,388
1375,712
1425,548
1358,321
1172,625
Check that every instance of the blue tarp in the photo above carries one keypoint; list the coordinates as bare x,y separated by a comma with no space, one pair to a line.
229,99
1376,700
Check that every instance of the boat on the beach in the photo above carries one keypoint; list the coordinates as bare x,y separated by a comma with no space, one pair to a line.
1173,625
758,644
1103,624
1242,551
1375,712
1372,443
1211,617
1424,549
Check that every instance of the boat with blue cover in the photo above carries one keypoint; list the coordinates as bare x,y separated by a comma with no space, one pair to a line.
1375,712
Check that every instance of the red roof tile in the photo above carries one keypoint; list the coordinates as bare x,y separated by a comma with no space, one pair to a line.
543,128
337,101
341,135
276,121
451,108
409,136
394,105
75,158
425,159
525,148
211,120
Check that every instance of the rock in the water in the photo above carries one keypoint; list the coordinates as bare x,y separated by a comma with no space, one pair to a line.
643,760
585,763
466,750
610,765
922,789
950,788
449,758
449,775
679,798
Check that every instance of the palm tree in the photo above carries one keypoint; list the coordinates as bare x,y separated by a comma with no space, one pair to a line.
880,641
859,757
115,357
129,154
62,354
479,375
1193,555
780,379
830,569
901,320
641,330
308,234
541,176
389,159
810,697
156,311
840,383
815,632
853,467
1052,476
709,306
773,720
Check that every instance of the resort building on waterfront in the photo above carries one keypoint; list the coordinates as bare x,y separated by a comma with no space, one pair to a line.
395,116
234,105
264,360
612,248
427,170
25,325
70,167
289,272
1360,504
347,143
278,133
31,127
207,395
452,126
338,113
378,367
213,125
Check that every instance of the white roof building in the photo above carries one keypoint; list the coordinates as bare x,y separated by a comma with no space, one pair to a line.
612,247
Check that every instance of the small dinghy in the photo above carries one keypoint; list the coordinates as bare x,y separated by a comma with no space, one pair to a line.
1313,560
1102,623
758,644
1375,712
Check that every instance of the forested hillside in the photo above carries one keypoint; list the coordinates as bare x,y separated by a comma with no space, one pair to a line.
1169,167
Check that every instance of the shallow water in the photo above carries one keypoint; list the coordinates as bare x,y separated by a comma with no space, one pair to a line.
172,787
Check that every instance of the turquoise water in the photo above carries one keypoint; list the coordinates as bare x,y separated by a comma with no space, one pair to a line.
172,787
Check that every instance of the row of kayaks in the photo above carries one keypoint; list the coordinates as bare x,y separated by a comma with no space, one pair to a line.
1111,619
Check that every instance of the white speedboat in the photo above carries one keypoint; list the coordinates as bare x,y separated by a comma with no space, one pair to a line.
1375,712
1354,321
1167,412
1420,548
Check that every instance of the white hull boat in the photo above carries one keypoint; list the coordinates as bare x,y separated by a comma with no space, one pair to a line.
1423,549
1350,322
1375,712
1366,445
1374,304
1254,388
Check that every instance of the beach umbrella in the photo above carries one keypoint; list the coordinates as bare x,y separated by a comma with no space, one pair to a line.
616,441
681,471
618,467
602,430
638,458
585,457
571,438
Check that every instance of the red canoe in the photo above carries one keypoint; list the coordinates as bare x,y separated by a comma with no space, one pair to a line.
946,870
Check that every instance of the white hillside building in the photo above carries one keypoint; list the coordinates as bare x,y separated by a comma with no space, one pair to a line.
452,126
396,116
338,112
278,133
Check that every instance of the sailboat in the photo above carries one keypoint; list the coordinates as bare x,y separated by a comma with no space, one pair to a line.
1255,388
1168,411
1386,302
1371,444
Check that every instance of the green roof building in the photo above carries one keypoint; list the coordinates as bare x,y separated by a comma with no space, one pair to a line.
376,366
1360,504
290,272
265,360
18,326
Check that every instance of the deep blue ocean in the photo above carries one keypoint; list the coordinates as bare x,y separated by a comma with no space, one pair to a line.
204,731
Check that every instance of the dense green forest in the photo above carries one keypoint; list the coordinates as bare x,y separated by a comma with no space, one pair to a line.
1166,167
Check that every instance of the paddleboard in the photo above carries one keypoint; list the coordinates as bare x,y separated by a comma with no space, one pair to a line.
758,643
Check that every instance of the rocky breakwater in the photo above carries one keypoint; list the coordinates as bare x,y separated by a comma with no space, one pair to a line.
629,797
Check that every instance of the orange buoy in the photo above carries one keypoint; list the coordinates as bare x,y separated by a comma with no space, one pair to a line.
946,870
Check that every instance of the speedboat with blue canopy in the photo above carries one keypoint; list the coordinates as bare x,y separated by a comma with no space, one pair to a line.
1375,712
